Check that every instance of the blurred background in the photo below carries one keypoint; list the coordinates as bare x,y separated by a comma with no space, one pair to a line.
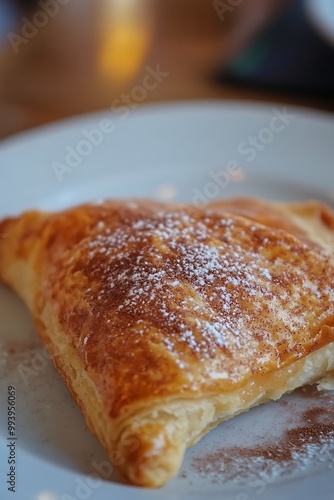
59,58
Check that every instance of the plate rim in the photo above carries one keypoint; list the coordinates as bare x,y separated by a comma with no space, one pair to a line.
304,113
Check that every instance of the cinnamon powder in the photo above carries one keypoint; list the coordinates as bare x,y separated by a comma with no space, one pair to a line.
308,443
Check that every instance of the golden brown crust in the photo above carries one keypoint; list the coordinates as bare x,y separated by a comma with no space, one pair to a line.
159,303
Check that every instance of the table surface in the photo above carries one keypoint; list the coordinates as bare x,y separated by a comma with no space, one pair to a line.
87,58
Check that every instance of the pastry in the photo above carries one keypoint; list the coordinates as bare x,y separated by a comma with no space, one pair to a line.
164,320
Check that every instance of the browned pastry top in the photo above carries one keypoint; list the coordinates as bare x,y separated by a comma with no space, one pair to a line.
170,299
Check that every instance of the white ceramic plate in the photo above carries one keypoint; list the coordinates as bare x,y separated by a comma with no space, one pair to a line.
321,13
169,152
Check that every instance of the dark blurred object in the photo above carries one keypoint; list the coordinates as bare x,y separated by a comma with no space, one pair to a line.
8,15
27,4
289,56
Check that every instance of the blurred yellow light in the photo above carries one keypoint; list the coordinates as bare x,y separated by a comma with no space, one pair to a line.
125,36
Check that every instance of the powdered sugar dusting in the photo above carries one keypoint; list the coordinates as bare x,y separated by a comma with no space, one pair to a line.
215,285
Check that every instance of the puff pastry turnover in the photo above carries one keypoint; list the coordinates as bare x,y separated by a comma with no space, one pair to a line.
165,320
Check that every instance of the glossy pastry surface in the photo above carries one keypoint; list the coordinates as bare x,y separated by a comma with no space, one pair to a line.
166,319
